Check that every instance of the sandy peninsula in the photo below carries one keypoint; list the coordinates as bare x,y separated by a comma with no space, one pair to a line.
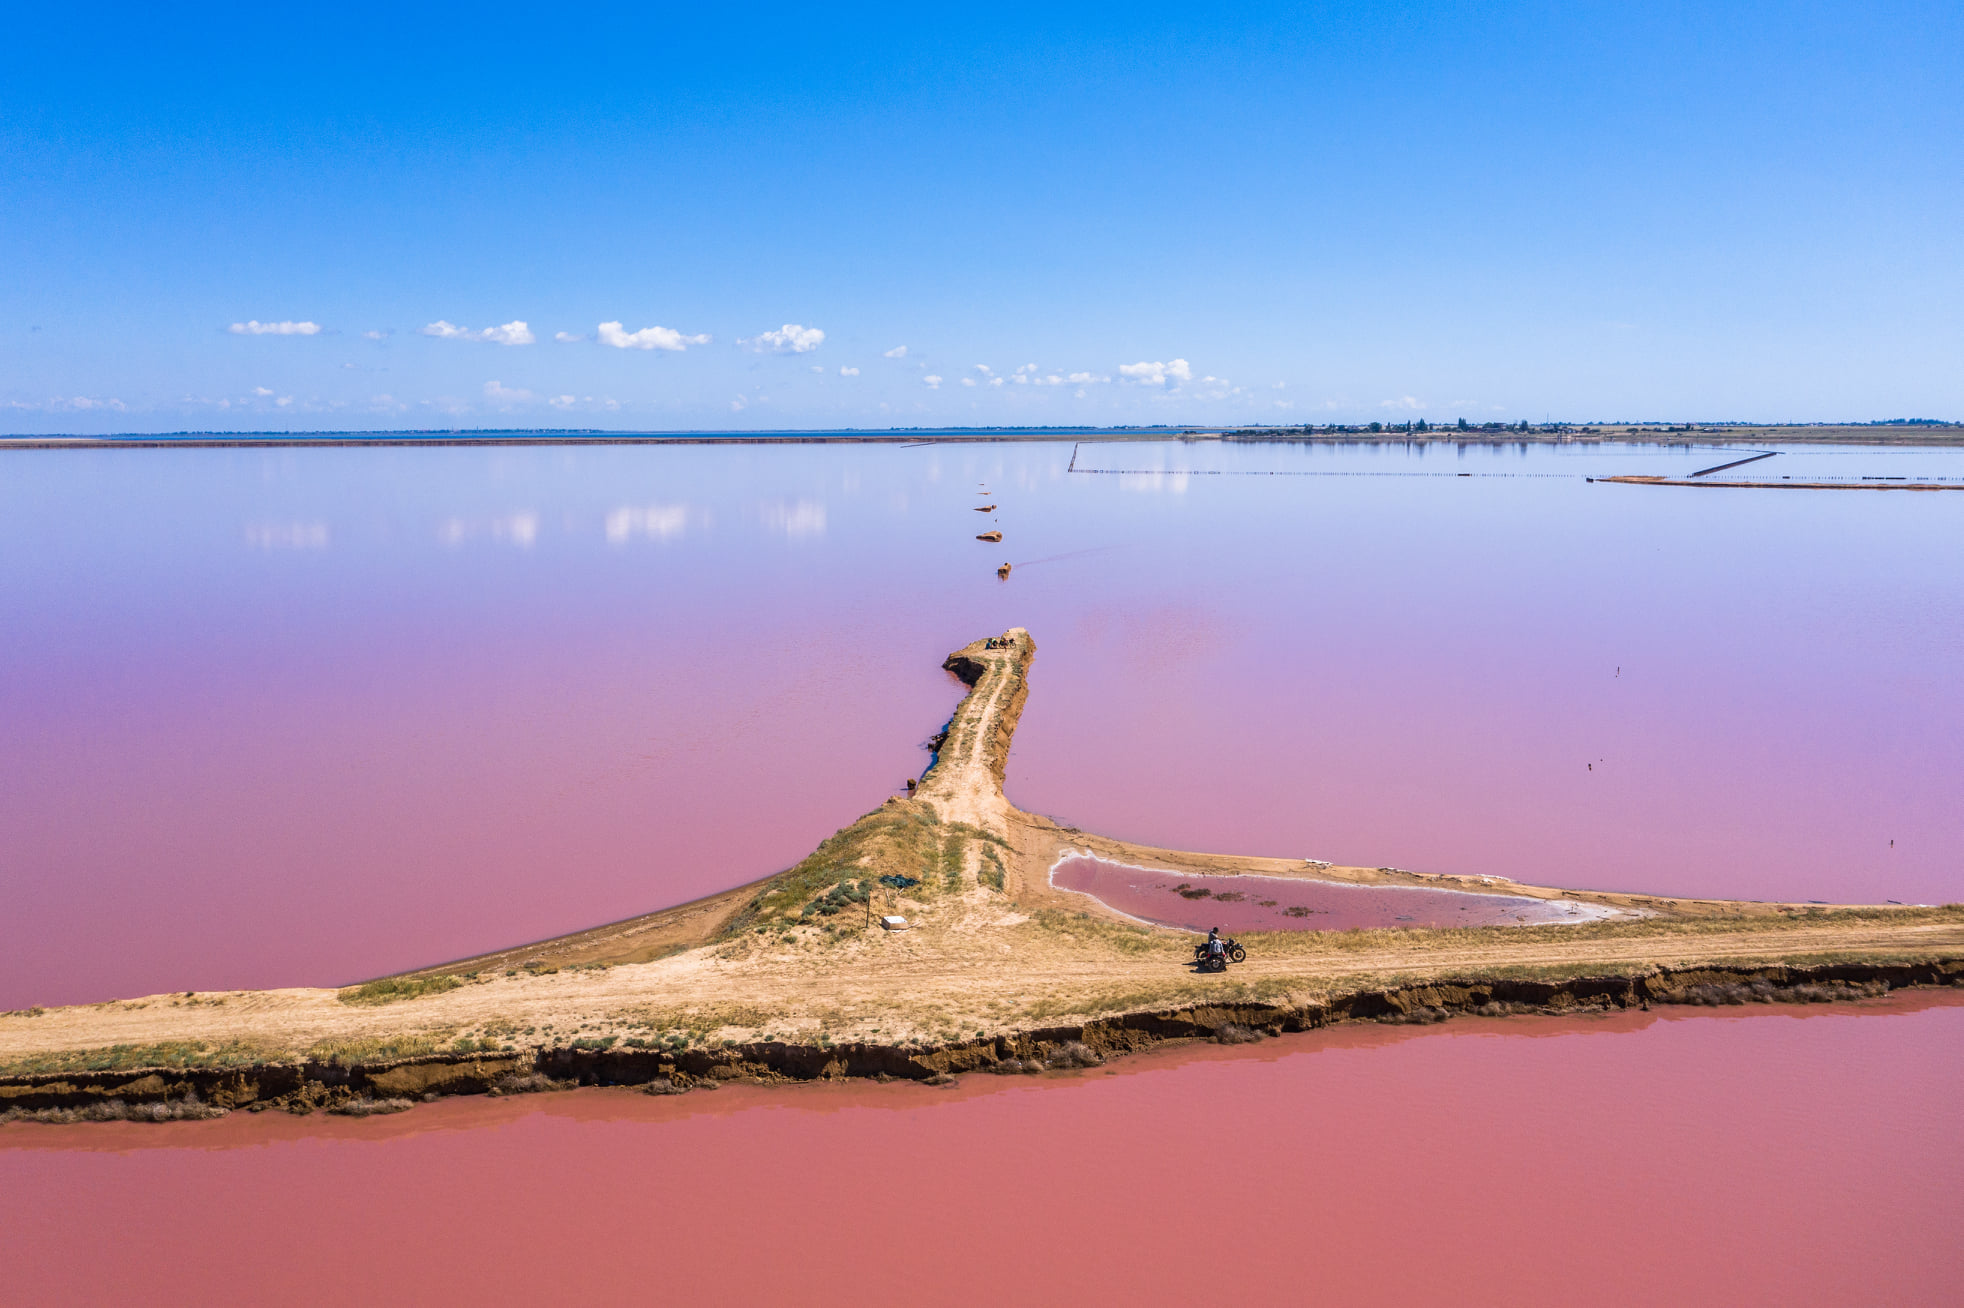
796,977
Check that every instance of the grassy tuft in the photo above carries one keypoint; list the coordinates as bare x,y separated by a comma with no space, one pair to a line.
382,1049
122,1058
393,989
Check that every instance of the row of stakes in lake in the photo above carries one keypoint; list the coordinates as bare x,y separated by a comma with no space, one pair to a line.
992,537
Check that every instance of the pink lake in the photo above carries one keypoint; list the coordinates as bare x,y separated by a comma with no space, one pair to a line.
1790,1156
308,716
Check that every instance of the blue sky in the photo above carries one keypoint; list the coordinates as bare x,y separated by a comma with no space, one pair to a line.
1180,213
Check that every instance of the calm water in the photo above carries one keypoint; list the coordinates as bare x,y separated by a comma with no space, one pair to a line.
1762,1157
306,716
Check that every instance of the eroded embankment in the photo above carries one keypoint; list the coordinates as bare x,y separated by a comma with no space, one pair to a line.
361,1088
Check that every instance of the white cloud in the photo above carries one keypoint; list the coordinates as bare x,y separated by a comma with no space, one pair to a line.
897,352
995,381
648,338
57,404
286,535
655,522
1402,402
1085,378
561,401
261,391
849,372
1156,374
514,332
933,382
284,401
985,369
379,333
968,381
739,404
818,367
494,390
256,328
804,518
567,338
788,339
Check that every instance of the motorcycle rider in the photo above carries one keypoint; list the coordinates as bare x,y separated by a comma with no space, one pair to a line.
1215,949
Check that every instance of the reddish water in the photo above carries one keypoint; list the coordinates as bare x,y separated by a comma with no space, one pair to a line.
1791,1157
302,717
1278,904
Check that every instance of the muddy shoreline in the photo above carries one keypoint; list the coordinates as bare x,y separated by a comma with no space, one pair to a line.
360,1088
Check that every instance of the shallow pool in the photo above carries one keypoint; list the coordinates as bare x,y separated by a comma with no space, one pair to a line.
1260,903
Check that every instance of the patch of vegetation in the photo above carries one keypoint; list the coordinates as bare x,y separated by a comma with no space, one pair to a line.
124,1058
393,989
24,1012
892,881
954,854
379,1049
593,1042
897,839
989,872
843,895
1123,937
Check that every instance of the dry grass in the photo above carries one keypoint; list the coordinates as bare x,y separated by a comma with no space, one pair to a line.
394,989
378,1049
167,1055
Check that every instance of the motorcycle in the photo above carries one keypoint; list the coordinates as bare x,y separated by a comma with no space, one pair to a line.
1212,962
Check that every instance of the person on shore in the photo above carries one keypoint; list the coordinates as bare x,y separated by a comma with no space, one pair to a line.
1215,948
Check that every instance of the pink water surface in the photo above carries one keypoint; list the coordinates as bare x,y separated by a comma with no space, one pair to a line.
1758,1157
304,717
1249,903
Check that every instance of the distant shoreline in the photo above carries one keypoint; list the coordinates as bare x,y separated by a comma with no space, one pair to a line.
1897,434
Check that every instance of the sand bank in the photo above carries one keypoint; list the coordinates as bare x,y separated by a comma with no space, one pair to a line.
790,977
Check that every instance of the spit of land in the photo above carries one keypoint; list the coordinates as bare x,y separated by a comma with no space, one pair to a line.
798,976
